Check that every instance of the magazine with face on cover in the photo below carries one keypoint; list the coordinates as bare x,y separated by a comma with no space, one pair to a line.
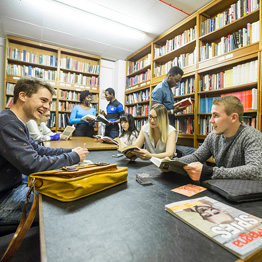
237,231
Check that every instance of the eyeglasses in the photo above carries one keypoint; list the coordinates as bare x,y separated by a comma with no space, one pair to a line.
152,118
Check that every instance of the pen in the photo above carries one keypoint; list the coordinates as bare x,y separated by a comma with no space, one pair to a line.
84,145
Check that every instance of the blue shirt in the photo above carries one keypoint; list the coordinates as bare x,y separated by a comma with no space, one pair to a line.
78,112
162,94
114,110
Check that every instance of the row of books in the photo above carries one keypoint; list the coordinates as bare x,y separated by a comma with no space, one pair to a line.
240,38
248,98
182,61
206,104
10,88
63,120
138,110
31,57
238,75
176,42
234,12
19,70
72,64
137,65
130,81
250,120
53,105
9,101
66,106
138,97
70,95
80,79
140,122
205,125
51,122
184,87
185,125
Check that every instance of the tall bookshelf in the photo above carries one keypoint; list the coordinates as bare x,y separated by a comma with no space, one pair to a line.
138,88
219,50
69,71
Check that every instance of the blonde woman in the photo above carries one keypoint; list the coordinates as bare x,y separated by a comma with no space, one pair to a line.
158,136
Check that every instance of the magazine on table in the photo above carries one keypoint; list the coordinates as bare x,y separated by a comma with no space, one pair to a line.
237,231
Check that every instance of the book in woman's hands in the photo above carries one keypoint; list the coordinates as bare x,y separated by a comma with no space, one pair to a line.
169,165
106,139
183,103
124,149
99,118
237,231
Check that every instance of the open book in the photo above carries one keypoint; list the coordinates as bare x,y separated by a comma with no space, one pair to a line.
183,103
169,165
233,229
99,118
67,132
106,139
124,149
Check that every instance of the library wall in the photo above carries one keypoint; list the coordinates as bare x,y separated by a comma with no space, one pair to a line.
2,71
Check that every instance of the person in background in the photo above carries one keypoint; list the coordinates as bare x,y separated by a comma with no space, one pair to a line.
235,146
83,128
129,132
162,93
158,136
39,131
114,110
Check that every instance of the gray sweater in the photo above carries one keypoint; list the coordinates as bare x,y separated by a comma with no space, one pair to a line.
20,154
237,157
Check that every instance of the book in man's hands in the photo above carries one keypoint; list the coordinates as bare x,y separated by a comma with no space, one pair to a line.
67,132
169,165
99,118
237,231
183,103
106,139
124,149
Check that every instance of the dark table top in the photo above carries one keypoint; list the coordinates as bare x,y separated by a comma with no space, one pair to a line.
129,222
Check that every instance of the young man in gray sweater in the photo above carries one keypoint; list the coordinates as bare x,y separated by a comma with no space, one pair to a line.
235,146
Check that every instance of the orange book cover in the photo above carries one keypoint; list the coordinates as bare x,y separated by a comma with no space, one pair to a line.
189,190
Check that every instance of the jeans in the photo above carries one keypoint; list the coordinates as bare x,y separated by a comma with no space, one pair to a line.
112,131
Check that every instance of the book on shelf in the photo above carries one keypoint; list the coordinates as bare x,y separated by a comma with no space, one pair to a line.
124,149
169,165
106,139
99,118
183,103
67,132
237,231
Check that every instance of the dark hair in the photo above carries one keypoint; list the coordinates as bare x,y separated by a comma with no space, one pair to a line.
175,70
132,127
110,91
232,105
83,95
30,85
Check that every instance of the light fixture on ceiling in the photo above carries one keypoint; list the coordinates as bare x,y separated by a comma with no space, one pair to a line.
118,22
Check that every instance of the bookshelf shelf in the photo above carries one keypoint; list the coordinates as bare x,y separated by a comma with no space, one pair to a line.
139,71
45,61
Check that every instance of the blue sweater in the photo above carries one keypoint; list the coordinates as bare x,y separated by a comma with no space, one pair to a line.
78,112
20,154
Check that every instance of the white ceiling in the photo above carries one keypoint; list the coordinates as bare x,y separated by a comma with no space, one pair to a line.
52,22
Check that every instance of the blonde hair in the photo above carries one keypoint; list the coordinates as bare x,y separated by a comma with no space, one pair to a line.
162,121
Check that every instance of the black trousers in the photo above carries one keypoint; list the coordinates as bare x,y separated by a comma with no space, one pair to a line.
84,129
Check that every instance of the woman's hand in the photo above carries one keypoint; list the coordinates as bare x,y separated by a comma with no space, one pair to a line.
142,153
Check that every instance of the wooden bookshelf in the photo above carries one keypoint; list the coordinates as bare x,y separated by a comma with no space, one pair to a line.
237,55
69,71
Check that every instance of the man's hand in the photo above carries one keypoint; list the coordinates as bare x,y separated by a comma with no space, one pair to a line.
142,153
194,170
179,108
102,112
82,152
